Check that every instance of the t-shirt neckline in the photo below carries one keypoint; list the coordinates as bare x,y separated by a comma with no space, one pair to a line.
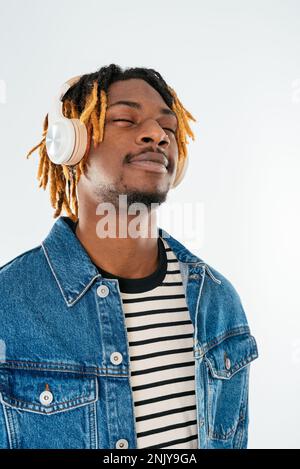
139,285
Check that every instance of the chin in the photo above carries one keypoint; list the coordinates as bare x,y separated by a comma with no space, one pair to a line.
146,197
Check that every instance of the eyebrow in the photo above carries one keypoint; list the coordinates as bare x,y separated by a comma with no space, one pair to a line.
136,105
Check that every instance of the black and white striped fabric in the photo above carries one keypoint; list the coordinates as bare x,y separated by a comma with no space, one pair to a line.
160,340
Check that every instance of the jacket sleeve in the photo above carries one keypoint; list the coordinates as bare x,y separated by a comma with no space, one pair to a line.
240,440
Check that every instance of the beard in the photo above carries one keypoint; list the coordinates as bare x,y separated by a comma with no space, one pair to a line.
110,193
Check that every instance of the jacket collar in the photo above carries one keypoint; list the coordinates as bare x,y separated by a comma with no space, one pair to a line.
71,265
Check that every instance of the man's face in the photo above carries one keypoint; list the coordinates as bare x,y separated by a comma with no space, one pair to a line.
109,171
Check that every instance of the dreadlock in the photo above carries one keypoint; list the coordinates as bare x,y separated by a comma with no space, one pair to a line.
87,100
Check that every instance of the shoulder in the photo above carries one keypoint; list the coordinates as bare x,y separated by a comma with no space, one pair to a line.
21,267
223,318
23,283
222,301
222,282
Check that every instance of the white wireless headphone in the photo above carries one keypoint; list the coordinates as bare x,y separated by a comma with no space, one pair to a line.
66,138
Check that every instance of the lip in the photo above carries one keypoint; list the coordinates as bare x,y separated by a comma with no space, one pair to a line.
151,156
148,165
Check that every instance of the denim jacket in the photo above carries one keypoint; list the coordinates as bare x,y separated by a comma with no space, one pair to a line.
64,360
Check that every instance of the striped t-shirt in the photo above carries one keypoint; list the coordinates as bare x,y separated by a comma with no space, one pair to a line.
160,339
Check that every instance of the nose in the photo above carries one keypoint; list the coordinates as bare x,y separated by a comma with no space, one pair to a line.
153,133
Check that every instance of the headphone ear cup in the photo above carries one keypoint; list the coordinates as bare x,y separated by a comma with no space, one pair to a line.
80,143
181,170
66,141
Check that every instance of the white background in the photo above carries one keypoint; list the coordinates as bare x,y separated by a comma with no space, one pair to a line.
235,66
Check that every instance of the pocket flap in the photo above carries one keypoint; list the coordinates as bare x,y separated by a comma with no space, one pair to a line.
232,354
46,391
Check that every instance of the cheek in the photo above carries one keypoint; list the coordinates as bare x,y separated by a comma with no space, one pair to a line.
104,162
112,148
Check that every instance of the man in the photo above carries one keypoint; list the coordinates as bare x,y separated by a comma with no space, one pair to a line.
120,341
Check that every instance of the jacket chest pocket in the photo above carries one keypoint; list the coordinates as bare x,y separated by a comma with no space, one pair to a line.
227,384
49,409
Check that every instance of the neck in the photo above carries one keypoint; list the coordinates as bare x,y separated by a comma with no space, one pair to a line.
120,253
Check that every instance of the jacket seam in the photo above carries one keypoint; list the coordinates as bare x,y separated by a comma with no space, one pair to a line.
230,333
28,403
9,436
48,260
112,375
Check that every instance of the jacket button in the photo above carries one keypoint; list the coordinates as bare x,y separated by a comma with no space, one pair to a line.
227,363
122,444
116,358
102,291
46,397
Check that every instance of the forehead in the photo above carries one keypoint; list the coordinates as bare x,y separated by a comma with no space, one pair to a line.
136,90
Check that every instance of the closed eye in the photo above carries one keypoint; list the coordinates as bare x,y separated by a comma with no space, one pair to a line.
126,120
